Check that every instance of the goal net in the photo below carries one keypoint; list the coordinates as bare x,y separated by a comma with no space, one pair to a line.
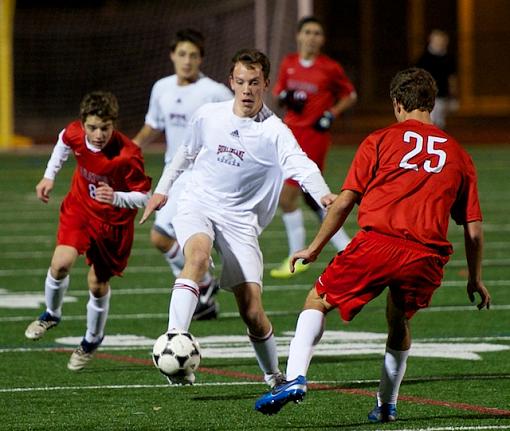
62,50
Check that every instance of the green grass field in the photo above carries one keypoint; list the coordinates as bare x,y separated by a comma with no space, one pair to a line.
458,375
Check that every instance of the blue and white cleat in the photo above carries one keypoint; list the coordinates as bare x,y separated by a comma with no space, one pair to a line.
383,413
271,402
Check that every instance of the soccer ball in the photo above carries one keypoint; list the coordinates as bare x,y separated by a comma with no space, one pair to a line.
176,353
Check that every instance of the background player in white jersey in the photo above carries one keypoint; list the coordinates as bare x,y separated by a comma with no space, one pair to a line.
241,153
173,101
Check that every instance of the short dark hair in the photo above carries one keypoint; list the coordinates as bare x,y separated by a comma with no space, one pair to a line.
188,35
307,20
250,57
100,103
414,88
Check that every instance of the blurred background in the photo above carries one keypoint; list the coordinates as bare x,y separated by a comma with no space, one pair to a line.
55,51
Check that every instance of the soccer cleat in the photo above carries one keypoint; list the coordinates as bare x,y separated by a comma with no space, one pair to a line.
181,379
207,307
275,379
38,327
82,355
283,271
271,402
386,412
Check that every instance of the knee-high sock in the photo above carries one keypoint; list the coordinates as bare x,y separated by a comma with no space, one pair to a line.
340,239
97,314
295,228
392,373
182,304
54,291
265,352
175,259
309,329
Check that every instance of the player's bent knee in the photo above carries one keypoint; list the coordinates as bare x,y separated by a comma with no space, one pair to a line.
162,242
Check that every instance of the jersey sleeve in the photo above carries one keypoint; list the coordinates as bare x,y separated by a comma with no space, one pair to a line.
363,167
281,81
341,85
466,207
59,155
154,117
136,179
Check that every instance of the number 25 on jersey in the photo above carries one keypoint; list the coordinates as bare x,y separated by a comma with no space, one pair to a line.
432,142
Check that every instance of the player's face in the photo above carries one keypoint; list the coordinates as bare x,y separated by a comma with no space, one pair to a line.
248,85
98,132
186,59
310,39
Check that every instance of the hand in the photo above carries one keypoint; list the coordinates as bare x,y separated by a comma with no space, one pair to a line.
479,287
293,99
327,200
104,193
306,255
156,202
43,189
324,122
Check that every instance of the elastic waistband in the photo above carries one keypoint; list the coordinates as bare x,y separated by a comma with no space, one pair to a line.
403,242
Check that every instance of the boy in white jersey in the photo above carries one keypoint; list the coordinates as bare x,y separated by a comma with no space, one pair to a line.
173,101
241,153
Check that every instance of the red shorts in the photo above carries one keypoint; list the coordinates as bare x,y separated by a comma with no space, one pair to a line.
314,143
373,261
106,246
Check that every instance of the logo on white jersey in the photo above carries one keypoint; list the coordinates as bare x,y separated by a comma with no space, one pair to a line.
235,134
177,119
230,156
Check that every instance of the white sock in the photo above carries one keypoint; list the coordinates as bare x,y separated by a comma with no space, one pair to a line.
97,314
54,291
392,373
182,304
266,352
309,329
295,227
340,239
175,259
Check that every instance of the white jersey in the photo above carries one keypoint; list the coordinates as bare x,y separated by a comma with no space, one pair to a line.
240,164
171,106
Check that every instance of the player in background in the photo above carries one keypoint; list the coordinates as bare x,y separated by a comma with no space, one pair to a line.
407,179
172,102
241,153
315,90
437,61
96,216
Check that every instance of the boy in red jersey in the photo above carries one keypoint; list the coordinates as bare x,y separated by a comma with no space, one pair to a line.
96,217
315,90
407,179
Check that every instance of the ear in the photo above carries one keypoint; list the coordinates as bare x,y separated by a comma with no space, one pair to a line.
231,82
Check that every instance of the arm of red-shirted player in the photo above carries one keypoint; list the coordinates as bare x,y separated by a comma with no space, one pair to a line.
59,155
134,199
473,241
334,220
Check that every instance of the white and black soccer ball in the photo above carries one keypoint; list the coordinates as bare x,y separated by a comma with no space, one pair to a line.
176,352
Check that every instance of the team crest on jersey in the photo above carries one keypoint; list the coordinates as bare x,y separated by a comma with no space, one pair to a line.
177,119
230,156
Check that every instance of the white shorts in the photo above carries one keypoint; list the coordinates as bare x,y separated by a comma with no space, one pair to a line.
164,216
236,243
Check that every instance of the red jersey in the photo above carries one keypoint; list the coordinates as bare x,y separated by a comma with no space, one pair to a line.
324,82
411,177
119,164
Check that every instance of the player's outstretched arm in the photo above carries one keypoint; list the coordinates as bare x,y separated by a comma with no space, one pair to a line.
43,189
156,202
335,217
473,241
